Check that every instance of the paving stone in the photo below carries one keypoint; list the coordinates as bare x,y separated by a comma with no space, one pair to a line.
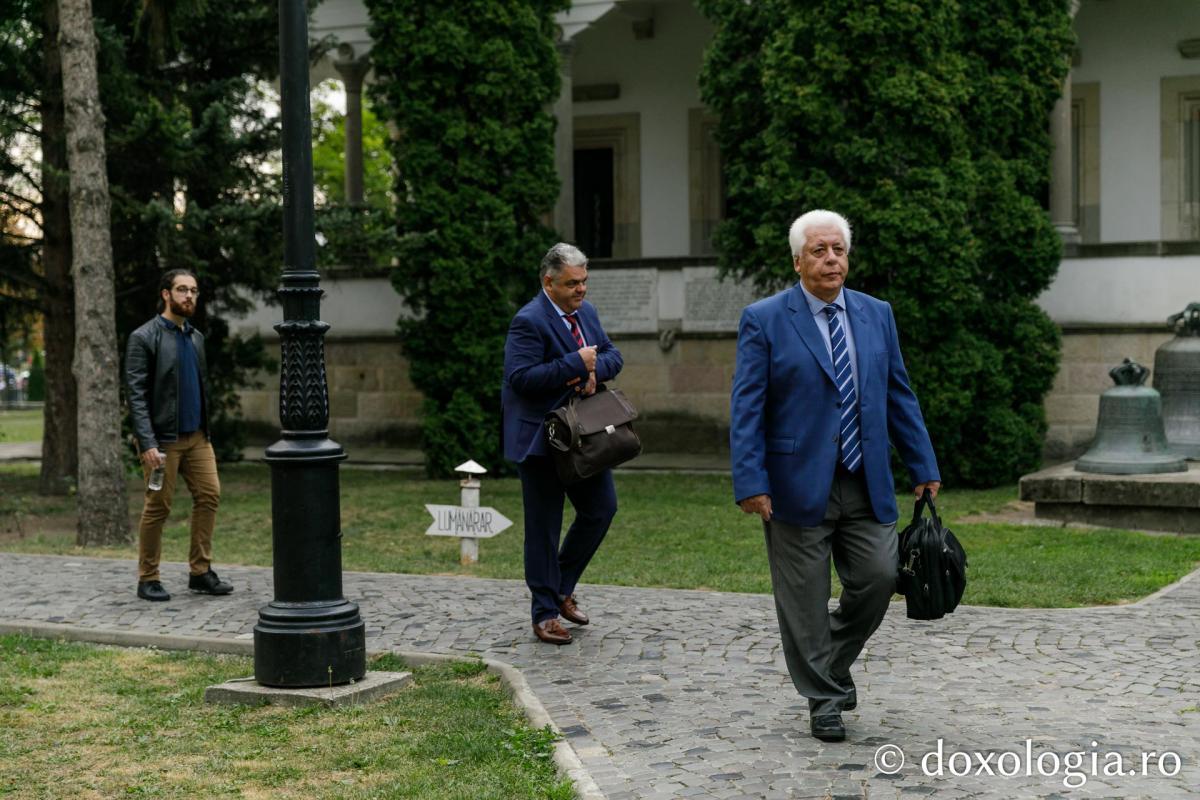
685,693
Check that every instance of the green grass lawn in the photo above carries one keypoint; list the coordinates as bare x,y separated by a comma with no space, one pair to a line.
20,426
671,530
89,721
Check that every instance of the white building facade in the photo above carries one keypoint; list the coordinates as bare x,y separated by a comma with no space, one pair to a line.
641,194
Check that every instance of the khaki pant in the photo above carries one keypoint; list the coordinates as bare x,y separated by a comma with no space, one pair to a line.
192,457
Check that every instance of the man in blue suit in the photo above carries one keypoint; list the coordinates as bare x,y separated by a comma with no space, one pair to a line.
818,392
556,348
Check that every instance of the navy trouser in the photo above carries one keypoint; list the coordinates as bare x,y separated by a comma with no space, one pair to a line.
551,572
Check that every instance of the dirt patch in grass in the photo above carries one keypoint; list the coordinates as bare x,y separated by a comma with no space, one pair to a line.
18,526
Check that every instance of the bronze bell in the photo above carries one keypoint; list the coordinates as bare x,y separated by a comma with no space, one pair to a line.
1177,378
1129,436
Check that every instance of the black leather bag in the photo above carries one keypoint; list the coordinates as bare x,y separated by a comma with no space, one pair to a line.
591,434
933,565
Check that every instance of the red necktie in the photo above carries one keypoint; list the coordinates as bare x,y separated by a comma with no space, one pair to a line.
571,318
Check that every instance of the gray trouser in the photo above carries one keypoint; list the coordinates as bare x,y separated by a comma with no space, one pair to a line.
818,644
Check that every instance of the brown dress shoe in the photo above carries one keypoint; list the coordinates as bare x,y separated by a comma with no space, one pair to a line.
551,631
571,611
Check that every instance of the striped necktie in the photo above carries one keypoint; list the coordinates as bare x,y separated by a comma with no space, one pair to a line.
844,376
578,334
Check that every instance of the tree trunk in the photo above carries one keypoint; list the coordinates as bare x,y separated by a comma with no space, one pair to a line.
60,462
103,507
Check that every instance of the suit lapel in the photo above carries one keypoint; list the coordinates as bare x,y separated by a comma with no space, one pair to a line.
802,321
863,332
556,324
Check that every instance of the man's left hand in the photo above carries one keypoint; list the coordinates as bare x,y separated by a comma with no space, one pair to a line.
591,385
932,486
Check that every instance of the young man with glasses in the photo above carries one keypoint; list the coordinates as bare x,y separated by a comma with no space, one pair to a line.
168,401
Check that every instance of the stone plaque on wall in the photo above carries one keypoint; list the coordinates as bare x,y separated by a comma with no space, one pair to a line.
711,305
627,299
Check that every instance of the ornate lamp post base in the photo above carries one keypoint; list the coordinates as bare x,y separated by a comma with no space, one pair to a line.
309,635
298,645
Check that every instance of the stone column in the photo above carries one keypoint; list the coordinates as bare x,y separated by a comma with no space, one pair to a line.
1062,203
564,147
352,71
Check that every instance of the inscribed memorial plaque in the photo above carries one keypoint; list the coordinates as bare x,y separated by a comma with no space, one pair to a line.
712,305
627,299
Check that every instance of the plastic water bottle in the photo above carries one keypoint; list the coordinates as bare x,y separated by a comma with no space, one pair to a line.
156,478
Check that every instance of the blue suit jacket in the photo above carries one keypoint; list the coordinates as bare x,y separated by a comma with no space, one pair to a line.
784,411
540,358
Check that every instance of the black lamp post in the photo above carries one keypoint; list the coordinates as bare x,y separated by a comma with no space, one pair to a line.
309,635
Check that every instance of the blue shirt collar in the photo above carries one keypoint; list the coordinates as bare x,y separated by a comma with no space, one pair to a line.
187,326
817,306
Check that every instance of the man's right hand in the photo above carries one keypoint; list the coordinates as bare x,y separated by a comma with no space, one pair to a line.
588,354
153,458
758,504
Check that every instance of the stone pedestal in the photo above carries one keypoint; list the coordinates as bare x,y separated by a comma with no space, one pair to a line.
1164,502
248,692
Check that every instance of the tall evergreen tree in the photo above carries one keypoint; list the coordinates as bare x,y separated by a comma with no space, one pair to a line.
190,140
35,245
468,86
189,143
924,122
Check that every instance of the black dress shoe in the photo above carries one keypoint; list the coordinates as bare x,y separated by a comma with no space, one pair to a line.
828,727
851,702
209,583
152,590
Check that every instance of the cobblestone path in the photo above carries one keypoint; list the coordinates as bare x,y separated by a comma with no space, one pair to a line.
679,694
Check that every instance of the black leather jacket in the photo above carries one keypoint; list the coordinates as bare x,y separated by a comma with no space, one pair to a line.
152,378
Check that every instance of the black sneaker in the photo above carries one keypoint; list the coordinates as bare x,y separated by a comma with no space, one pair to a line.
152,590
209,583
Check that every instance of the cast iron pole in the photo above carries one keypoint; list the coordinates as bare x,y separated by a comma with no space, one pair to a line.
309,635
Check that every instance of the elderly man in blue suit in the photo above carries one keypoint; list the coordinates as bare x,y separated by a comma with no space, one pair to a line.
555,348
819,391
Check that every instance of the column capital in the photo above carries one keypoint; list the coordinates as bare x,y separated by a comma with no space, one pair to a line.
351,67
566,51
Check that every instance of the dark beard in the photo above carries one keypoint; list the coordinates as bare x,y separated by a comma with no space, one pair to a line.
179,311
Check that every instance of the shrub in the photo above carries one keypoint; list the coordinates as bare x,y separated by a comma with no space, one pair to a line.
924,122
468,86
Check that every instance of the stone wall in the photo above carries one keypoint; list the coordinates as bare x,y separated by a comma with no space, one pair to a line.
682,391
371,400
675,323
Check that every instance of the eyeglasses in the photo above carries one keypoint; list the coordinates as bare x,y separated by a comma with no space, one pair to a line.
185,290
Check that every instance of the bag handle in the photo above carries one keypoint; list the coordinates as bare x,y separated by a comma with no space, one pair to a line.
926,499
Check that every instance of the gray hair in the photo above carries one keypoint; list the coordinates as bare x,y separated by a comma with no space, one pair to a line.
798,233
559,256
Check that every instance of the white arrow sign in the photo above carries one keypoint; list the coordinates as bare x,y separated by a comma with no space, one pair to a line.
475,523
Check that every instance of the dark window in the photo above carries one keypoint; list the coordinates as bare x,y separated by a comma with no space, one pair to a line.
594,202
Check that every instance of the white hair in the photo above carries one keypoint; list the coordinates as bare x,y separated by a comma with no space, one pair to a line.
798,233
562,255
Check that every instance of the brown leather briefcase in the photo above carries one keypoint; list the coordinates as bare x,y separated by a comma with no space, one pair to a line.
591,434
